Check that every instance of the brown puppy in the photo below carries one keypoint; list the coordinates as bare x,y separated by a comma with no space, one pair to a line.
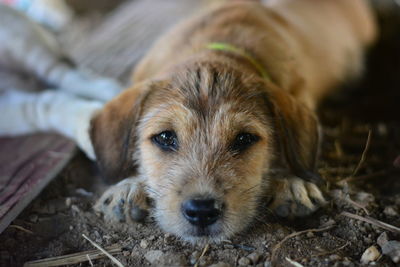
223,113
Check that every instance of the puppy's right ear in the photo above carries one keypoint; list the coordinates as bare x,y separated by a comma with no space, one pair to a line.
113,133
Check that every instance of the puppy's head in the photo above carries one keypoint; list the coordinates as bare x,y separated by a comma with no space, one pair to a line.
204,139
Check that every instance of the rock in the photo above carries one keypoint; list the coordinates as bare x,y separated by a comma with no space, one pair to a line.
334,257
370,254
158,258
153,256
143,243
390,211
220,264
382,239
254,257
392,249
310,234
172,259
68,202
244,261
267,264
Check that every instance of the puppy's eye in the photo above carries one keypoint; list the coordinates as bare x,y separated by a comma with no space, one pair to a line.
243,141
166,140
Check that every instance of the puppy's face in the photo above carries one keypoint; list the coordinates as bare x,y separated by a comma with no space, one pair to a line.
204,139
204,144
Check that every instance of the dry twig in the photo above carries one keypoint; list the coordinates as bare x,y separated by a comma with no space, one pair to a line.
112,258
363,155
279,245
294,263
21,228
90,261
72,258
202,255
372,221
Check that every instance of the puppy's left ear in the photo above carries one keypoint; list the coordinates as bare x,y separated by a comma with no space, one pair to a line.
297,131
113,133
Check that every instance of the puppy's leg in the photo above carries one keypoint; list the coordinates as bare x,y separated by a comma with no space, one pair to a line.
24,113
126,201
294,197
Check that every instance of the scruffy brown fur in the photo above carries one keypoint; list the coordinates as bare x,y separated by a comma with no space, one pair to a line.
207,97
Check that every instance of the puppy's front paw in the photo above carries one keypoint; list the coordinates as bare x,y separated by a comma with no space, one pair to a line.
126,201
294,197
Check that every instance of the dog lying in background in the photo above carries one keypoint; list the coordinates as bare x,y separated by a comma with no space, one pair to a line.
221,116
27,47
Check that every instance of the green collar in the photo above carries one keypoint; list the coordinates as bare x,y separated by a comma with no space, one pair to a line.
231,48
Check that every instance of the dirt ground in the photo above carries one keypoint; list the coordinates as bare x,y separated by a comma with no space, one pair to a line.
54,223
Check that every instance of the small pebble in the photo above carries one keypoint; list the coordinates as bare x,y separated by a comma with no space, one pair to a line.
244,261
254,257
172,259
310,234
143,243
370,254
68,202
382,239
267,264
153,256
334,257
392,249
390,211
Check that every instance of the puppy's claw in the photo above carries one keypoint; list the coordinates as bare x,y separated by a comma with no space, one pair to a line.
124,202
295,197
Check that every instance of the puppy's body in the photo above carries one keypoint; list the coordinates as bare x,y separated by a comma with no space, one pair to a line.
306,47
202,127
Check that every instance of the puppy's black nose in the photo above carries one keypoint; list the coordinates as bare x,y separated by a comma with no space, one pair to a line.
201,212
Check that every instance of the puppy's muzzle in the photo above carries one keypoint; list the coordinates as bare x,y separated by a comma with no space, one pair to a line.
202,212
